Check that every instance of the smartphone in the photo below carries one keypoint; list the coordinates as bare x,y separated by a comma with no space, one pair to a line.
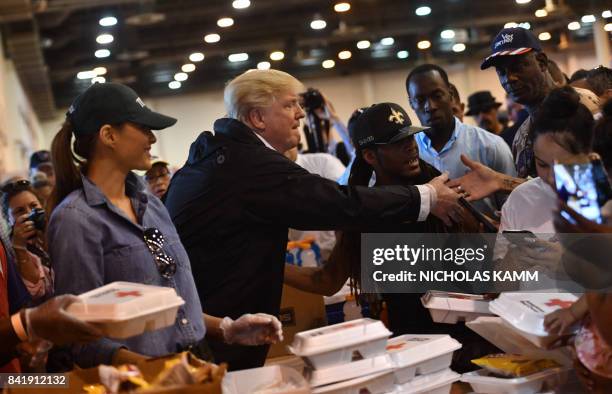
518,237
488,226
580,187
602,182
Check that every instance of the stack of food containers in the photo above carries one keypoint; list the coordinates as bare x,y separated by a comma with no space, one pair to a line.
124,309
356,357
451,308
347,357
421,363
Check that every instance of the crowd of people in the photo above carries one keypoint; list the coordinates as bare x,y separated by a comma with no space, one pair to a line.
216,229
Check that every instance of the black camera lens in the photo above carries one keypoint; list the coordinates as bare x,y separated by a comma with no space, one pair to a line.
37,216
312,99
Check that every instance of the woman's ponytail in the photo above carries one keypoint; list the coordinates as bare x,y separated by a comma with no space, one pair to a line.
67,174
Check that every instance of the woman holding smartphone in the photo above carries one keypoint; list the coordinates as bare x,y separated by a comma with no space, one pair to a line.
105,227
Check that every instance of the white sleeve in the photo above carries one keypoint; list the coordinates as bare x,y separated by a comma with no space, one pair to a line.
333,168
428,200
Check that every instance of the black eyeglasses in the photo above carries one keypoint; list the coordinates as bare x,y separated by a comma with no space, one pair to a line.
19,185
166,266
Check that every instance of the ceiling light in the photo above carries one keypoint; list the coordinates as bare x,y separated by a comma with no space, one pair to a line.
544,36
525,25
98,80
238,57
424,44
402,54
225,22
510,25
342,7
588,19
541,13
343,55
181,77
174,85
108,21
100,70
196,57
318,24
459,47
240,4
422,11
447,34
277,55
104,39
363,44
523,1
86,74
606,14
188,67
328,63
212,38
573,25
387,41
100,53
263,65
608,27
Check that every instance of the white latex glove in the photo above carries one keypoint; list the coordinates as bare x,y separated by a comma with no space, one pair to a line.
252,330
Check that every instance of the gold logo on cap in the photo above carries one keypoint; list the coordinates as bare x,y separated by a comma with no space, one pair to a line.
396,117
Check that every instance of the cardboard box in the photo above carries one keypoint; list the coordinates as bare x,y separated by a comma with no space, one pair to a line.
150,369
300,311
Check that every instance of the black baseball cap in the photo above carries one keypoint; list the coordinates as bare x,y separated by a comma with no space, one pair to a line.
112,103
511,42
382,124
40,157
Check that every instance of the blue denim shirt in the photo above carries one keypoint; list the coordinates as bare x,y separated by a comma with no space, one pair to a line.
474,142
93,243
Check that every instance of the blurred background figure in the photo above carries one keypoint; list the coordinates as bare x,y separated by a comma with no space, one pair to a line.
40,161
484,108
158,178
458,106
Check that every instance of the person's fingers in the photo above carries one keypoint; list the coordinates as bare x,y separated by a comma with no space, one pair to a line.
442,178
468,162
447,221
65,300
453,183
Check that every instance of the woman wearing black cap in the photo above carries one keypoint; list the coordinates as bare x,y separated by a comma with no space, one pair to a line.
105,227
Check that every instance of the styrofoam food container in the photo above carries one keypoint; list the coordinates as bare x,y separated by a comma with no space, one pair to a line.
262,380
450,308
420,354
124,309
526,312
495,330
348,371
378,383
482,382
337,344
436,383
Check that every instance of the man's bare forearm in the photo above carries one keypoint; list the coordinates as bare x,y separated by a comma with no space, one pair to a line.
508,183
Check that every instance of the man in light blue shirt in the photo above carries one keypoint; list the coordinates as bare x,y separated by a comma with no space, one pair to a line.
448,138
